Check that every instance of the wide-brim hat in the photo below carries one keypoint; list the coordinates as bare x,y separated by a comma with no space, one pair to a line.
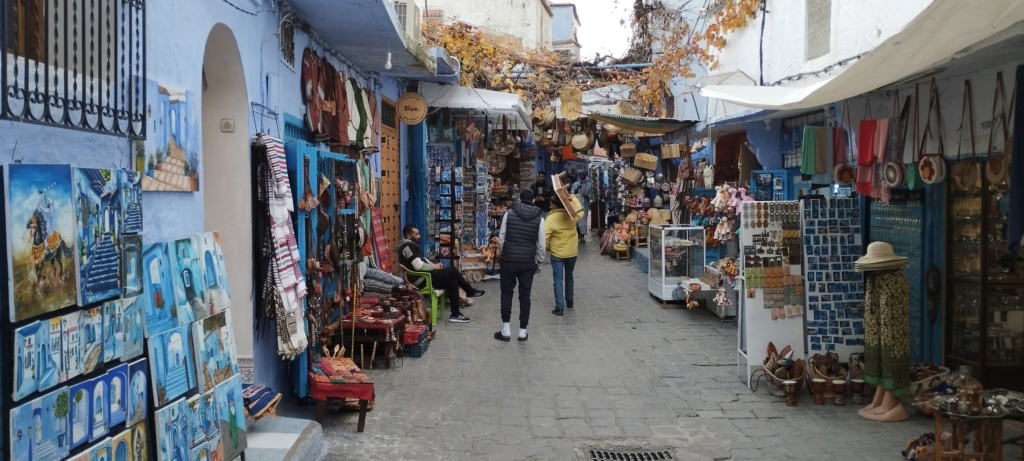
880,256
572,102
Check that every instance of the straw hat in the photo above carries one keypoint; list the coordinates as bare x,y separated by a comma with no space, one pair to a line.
880,257
572,102
543,116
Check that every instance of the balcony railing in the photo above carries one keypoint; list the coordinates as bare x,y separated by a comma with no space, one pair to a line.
78,64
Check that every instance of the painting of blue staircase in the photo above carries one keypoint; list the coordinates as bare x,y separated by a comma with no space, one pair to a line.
131,201
162,310
171,365
97,201
172,432
39,429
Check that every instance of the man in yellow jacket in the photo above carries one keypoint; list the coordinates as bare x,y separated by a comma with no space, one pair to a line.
563,243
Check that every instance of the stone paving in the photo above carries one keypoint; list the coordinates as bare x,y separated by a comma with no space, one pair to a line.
617,371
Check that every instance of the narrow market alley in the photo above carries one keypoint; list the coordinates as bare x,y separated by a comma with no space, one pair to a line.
617,371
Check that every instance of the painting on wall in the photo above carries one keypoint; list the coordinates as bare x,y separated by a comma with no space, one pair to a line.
138,391
90,334
26,358
117,390
172,433
211,418
140,442
170,154
170,361
39,429
214,342
52,330
131,201
121,446
97,202
162,310
113,330
231,411
215,275
197,429
133,327
100,451
131,265
40,239
71,344
100,410
187,276
80,416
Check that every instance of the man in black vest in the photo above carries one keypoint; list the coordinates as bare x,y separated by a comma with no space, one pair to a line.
521,242
449,279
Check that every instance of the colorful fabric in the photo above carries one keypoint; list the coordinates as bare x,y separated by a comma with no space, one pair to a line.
887,331
808,156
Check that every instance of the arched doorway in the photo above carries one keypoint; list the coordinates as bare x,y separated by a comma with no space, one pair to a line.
225,171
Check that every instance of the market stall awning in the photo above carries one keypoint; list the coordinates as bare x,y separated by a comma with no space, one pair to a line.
644,125
937,35
493,103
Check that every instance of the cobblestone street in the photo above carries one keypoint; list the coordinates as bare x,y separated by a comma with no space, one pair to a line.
617,371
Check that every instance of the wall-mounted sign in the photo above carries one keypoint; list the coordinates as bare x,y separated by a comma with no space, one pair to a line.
412,108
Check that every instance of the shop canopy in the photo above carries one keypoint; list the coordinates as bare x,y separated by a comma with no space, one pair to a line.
492,103
650,126
937,35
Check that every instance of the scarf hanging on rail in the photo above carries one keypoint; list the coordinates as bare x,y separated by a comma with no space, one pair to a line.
282,286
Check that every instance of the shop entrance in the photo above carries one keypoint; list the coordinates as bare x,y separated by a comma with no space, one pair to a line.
225,172
390,174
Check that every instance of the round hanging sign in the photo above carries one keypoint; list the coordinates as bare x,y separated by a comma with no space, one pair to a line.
412,108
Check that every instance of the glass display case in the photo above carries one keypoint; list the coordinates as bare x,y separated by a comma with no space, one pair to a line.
677,256
985,323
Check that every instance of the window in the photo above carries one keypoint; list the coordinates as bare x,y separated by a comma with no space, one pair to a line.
23,19
819,28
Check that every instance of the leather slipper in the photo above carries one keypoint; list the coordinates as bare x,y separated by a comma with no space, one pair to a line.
524,338
501,337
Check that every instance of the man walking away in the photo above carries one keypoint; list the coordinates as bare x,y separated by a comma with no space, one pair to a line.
562,241
581,188
449,279
521,243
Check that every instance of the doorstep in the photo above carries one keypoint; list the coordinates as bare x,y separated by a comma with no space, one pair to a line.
279,438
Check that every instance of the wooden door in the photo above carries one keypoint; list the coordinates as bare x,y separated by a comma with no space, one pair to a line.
390,173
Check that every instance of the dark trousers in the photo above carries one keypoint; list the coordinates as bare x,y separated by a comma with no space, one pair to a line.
513,272
450,280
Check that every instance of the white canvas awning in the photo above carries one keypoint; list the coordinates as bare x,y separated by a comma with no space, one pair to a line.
943,29
493,103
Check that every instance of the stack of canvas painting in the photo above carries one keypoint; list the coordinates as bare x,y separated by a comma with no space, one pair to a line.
232,417
39,429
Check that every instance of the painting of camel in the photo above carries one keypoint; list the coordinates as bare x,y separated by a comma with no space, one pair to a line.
40,239
169,157
97,202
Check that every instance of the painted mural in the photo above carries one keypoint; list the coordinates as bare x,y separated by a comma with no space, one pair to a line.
187,276
39,429
171,365
117,391
80,416
40,239
100,410
133,326
215,275
170,155
113,330
231,411
100,451
131,265
138,392
214,341
121,446
71,344
97,202
140,442
172,432
131,201
162,310
91,337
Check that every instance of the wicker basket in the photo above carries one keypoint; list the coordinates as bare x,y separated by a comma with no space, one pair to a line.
646,161
671,151
627,150
632,176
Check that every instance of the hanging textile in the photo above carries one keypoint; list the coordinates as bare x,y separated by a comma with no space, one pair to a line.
281,285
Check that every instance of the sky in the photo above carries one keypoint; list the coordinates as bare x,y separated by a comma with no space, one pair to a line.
600,29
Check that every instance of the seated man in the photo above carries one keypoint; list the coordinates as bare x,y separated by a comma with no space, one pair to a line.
449,279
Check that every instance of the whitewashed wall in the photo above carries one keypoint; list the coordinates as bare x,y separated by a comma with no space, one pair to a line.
528,20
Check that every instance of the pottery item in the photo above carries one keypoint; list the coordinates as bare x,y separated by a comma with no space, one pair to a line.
789,387
857,387
818,388
839,388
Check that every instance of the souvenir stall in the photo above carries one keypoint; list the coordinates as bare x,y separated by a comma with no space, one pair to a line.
122,349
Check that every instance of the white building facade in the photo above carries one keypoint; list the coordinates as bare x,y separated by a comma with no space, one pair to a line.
528,21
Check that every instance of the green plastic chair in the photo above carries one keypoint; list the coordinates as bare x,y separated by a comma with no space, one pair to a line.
437,299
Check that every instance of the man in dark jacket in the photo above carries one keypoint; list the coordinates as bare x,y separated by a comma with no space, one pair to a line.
449,279
522,246
541,193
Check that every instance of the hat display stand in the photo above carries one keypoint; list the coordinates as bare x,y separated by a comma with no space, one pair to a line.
880,256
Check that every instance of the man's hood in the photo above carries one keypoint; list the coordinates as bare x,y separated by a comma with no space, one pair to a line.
525,212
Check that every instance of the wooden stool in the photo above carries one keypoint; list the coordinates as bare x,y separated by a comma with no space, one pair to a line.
340,378
622,255
988,438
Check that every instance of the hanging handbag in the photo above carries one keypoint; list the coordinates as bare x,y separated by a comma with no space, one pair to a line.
894,171
966,174
842,173
997,167
932,167
914,181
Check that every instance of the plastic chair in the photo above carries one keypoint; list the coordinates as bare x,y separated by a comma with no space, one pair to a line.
418,279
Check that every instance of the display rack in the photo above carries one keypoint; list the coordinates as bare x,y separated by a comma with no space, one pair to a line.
677,260
448,217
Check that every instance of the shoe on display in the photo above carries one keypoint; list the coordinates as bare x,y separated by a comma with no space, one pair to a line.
458,319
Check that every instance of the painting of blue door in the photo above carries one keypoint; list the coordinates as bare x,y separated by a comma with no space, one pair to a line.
117,395
163,311
97,201
133,327
99,408
214,271
26,353
121,444
39,428
138,391
81,414
189,286
171,365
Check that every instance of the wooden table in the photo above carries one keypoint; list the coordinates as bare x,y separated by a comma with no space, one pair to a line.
368,332
988,437
340,378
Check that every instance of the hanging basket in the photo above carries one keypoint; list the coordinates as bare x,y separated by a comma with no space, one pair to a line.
646,161
627,150
632,176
